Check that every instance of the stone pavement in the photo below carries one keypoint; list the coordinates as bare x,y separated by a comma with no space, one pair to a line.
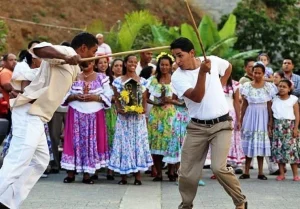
52,193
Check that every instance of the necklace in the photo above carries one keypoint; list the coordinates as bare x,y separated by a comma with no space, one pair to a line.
85,76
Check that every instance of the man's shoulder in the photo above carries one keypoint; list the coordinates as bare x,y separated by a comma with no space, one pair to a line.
5,71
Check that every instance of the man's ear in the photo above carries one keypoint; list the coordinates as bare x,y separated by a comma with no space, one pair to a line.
192,53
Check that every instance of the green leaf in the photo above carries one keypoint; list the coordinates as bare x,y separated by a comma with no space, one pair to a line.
221,46
246,54
208,32
162,35
132,25
187,31
229,27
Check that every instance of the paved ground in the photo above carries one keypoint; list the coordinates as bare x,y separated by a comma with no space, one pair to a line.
51,193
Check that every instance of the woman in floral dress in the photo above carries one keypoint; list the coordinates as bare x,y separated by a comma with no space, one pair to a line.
255,119
130,152
163,145
85,144
286,140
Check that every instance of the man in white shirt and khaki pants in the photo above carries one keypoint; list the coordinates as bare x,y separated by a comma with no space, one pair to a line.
198,82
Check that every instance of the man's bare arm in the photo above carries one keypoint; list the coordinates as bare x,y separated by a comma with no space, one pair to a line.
51,53
226,76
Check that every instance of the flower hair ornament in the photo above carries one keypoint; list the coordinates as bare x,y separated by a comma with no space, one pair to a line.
165,54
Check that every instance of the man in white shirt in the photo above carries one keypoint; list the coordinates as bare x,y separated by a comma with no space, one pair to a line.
145,60
103,48
198,82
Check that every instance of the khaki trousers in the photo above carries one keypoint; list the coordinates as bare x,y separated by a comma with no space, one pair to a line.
193,156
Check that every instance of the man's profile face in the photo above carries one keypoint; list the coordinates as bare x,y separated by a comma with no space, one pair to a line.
287,66
249,67
85,52
183,59
146,56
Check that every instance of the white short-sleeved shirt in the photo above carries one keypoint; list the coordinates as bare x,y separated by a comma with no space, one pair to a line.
283,109
214,103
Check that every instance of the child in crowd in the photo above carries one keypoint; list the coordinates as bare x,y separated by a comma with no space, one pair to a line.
286,144
265,59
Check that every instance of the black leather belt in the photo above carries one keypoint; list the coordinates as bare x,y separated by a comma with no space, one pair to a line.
212,121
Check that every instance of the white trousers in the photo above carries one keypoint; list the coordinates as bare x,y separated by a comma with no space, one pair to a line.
27,158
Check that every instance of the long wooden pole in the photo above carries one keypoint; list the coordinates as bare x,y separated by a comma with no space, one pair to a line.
125,53
196,29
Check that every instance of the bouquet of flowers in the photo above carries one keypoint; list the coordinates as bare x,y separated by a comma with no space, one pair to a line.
131,97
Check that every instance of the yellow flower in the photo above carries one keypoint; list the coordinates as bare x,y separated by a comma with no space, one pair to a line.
132,108
139,109
125,96
126,109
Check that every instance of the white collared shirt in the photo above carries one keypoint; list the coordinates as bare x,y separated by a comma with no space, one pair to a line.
213,104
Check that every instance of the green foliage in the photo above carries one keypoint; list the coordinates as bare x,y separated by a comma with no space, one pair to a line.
35,18
229,27
3,35
133,23
208,31
97,26
187,31
269,25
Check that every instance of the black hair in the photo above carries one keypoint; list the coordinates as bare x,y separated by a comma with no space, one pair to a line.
288,58
5,56
158,71
146,72
32,42
280,73
25,55
108,71
84,38
289,83
124,69
246,61
22,55
259,65
65,43
182,43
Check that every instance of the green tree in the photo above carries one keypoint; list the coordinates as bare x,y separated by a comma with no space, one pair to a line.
3,35
269,25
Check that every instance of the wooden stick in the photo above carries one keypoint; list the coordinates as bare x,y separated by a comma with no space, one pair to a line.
125,53
196,29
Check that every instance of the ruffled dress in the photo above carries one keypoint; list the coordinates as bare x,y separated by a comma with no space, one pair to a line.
254,134
85,142
130,152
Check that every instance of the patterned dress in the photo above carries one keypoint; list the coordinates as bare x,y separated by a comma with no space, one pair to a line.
111,119
85,143
254,134
160,124
236,155
130,152
285,147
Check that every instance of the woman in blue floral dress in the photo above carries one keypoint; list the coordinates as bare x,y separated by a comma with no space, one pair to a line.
255,119
130,152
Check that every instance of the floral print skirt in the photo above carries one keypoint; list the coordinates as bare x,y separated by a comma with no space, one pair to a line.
285,148
85,143
130,152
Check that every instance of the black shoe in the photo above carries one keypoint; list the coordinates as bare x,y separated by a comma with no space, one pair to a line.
110,178
276,173
137,182
3,206
88,181
172,178
238,171
245,176
148,172
262,177
251,167
157,179
69,179
206,167
122,182
94,177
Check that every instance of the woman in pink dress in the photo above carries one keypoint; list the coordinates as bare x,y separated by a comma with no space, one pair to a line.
85,144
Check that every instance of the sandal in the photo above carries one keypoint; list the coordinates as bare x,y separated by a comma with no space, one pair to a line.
88,181
244,176
137,182
213,177
69,179
296,178
262,177
122,182
280,178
